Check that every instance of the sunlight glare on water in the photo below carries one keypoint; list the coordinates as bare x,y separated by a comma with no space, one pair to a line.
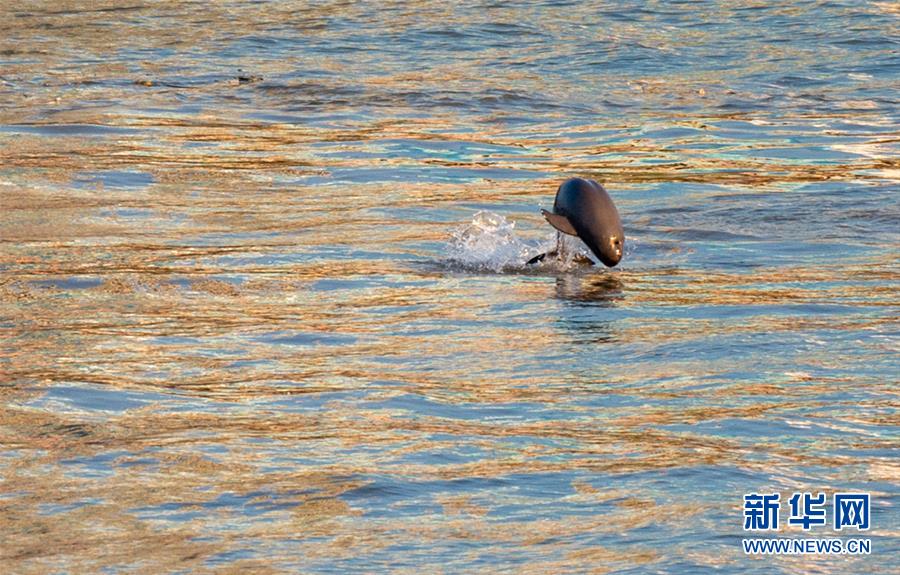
263,303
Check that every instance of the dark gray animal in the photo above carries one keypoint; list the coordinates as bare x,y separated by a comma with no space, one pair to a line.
583,208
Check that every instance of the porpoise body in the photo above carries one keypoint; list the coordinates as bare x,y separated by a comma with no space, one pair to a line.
583,208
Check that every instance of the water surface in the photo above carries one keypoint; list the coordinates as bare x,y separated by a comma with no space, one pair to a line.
238,335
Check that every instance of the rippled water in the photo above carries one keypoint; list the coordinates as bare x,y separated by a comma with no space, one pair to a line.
239,335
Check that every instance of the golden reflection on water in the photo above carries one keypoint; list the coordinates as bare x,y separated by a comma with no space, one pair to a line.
212,301
109,335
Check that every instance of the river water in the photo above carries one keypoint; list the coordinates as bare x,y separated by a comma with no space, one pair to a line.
263,306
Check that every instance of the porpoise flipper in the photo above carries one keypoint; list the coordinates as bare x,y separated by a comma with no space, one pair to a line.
582,260
579,259
540,257
559,222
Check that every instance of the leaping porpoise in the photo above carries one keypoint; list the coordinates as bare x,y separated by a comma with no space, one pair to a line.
583,209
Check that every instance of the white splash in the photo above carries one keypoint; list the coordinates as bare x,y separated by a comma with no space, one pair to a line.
571,252
490,243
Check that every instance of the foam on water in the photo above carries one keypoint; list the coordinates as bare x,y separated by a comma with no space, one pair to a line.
490,243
